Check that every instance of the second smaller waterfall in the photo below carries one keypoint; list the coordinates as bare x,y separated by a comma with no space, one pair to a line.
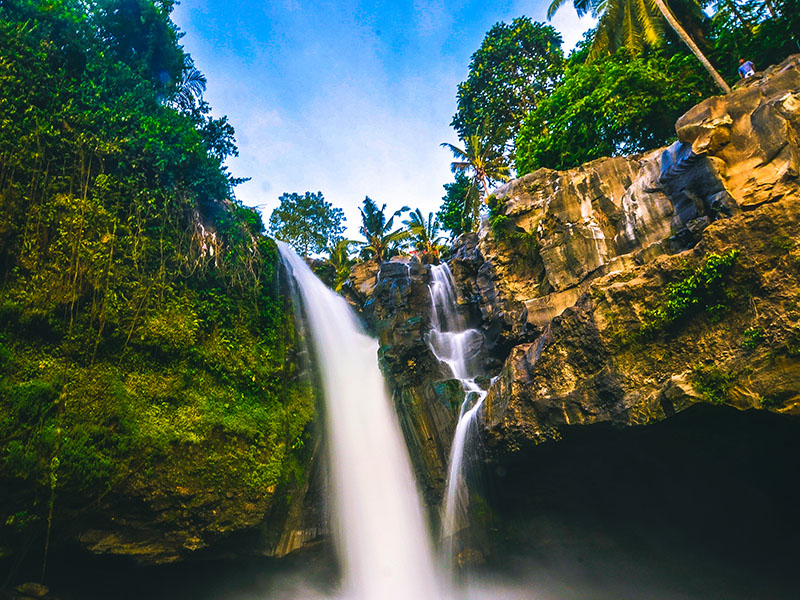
458,347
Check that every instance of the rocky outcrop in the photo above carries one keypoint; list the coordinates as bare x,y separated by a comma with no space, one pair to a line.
426,399
359,286
621,292
626,331
553,231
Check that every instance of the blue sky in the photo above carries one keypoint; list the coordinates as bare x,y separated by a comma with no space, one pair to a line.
350,98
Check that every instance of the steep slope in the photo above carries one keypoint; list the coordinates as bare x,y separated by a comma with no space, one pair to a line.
150,400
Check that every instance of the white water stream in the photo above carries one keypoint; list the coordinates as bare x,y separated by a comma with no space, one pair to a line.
382,539
458,347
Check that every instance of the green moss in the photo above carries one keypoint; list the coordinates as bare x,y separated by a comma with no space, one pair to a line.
145,345
753,337
772,401
523,242
712,383
781,243
791,345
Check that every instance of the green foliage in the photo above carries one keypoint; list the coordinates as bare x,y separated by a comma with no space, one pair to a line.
618,104
376,228
141,326
451,214
498,221
341,262
703,288
516,64
712,383
424,233
773,400
633,77
759,37
486,164
32,401
308,223
753,337
525,243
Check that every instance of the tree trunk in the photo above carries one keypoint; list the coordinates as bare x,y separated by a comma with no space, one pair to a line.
667,13
771,9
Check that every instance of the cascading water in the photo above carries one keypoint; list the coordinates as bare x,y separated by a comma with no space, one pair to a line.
383,543
458,347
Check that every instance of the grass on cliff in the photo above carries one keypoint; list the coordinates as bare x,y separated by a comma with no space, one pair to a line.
145,348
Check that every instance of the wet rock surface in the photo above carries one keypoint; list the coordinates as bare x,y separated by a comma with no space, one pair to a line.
426,399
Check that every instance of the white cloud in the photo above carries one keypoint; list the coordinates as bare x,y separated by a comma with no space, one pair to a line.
337,110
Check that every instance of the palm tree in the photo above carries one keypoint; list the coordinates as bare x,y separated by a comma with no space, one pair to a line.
190,89
424,233
487,165
339,259
634,23
376,229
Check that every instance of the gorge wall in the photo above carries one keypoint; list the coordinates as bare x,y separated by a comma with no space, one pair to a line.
619,293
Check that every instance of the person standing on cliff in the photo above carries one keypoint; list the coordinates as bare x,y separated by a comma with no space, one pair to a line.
746,68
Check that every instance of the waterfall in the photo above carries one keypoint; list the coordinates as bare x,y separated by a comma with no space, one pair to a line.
458,347
382,540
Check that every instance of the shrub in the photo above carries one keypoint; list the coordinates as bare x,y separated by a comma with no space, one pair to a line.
753,337
712,383
703,288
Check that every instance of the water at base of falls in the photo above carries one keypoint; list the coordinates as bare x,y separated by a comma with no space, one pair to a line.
458,347
383,543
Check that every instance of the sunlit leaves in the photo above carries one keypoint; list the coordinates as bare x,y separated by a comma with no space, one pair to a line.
307,222
515,65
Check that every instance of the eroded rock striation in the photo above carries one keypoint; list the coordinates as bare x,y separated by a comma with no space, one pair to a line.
626,290
664,280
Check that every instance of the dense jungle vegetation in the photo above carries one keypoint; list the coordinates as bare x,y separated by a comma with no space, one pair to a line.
525,106
143,341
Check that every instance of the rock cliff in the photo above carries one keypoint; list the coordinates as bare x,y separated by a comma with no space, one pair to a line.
661,280
623,291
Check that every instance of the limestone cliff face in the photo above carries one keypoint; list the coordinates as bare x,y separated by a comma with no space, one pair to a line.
622,291
618,240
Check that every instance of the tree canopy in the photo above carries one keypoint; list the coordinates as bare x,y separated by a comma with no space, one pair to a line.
617,104
424,233
483,160
376,228
515,65
139,309
307,222
451,213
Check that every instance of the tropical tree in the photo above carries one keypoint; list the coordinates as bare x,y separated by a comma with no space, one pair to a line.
377,229
516,64
307,222
486,164
190,89
767,41
341,262
616,104
451,212
635,25
424,232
